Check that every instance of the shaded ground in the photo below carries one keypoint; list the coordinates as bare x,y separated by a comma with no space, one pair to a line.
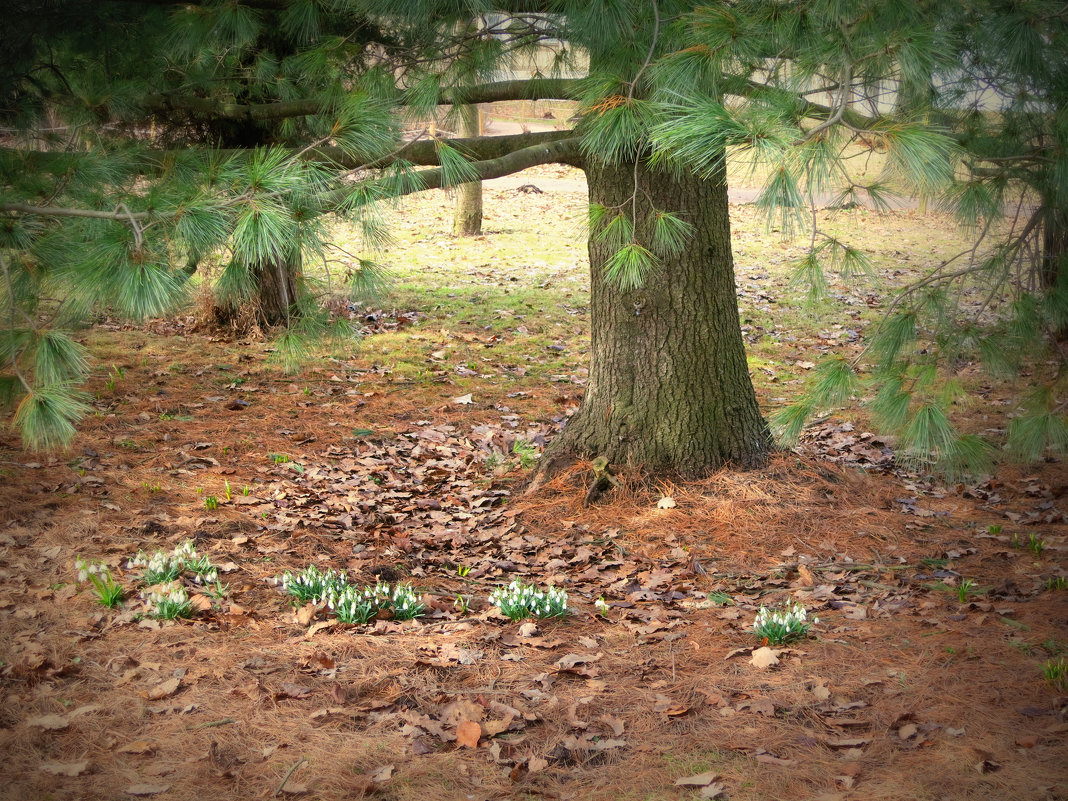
370,465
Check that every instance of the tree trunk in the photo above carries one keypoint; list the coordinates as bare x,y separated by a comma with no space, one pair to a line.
1054,244
1054,267
277,285
467,218
669,387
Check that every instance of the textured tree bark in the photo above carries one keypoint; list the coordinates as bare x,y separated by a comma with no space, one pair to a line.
1054,243
277,288
467,217
1055,256
669,387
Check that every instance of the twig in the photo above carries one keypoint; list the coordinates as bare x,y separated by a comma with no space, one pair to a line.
289,773
212,724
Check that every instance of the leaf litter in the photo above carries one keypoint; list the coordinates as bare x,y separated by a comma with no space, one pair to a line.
462,703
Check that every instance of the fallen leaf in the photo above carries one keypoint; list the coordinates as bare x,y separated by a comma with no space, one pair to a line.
571,660
146,789
468,733
613,723
908,730
764,657
293,788
382,774
700,780
847,742
713,790
528,629
666,503
1027,741
305,614
138,747
760,706
84,710
50,722
535,764
164,689
771,759
65,768
291,690
463,399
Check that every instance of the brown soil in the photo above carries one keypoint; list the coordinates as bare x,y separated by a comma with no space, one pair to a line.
901,692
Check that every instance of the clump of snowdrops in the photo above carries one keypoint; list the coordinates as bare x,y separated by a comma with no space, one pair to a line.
161,567
108,591
165,597
168,601
778,626
312,585
518,601
351,603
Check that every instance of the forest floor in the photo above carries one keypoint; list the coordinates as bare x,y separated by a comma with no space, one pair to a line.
939,606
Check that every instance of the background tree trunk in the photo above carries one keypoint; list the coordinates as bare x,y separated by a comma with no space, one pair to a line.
669,386
467,218
1054,243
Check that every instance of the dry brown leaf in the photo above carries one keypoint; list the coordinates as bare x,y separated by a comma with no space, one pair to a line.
65,768
535,764
164,689
382,774
528,629
700,780
468,734
761,706
294,788
138,747
456,711
291,690
847,742
571,660
146,789
770,759
305,614
50,722
614,724
908,730
764,657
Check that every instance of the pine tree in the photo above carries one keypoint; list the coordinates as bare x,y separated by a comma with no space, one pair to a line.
242,127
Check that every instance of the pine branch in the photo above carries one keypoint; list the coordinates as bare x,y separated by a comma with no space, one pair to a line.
542,89
59,211
564,151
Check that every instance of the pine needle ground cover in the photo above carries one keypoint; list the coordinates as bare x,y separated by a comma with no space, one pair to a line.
941,617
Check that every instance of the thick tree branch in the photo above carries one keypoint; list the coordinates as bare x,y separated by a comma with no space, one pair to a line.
563,151
424,153
497,156
540,89
59,211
